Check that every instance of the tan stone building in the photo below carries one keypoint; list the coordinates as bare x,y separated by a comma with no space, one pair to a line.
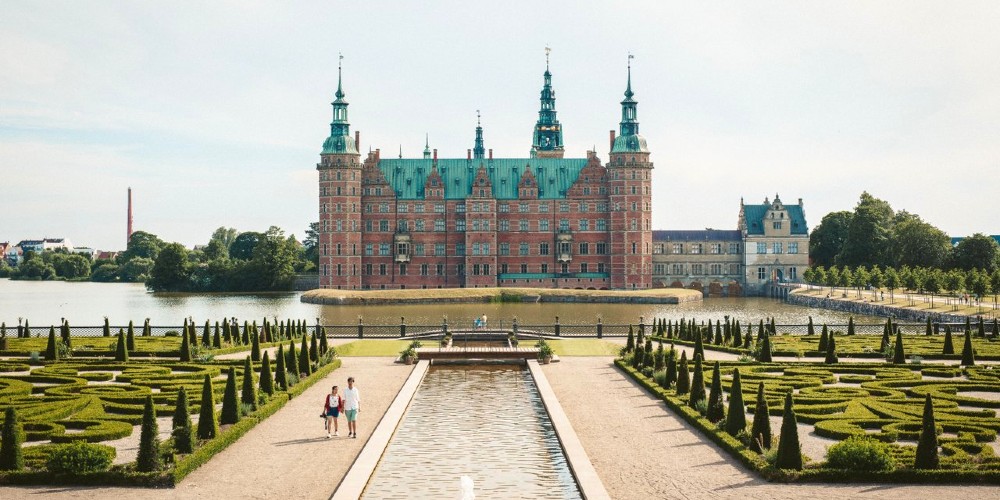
770,245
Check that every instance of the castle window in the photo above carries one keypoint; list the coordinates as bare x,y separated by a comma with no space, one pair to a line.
715,248
522,208
505,249
403,208
677,269
423,269
584,248
522,225
734,248
418,249
716,269
504,225
697,269
543,225
419,224
734,269
503,208
543,249
439,250
524,269
776,225
383,225
633,251
696,248
460,208
584,225
543,208
761,273
439,208
381,270
793,248
460,225
383,249
418,208
459,248
602,224
564,224
563,207
761,247
777,247
439,225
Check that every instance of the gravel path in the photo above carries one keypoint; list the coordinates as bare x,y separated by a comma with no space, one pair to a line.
642,450
286,456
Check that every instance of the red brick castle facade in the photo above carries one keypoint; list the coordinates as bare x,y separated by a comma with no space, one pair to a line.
480,221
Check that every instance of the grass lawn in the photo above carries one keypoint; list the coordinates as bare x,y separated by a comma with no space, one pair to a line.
375,347
580,347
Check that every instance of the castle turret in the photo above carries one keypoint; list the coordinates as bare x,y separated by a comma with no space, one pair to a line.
340,201
479,151
629,198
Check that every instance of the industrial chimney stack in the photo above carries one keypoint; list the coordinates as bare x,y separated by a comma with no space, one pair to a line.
128,237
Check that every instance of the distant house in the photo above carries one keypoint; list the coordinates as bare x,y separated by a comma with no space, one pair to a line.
106,255
45,244
89,252
956,239
11,253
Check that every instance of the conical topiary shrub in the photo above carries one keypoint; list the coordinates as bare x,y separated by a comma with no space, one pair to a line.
886,330
280,373
11,438
216,337
765,349
255,347
968,355
831,350
67,339
292,359
630,341
121,349
185,354
107,328
130,337
207,427
324,344
789,451
899,355
147,331
314,348
149,440
52,349
928,330
266,382
230,401
699,346
206,335
227,334
683,377
927,446
697,394
736,417
823,339
949,347
850,325
670,374
182,432
246,333
810,330
760,431
304,365
716,406
248,395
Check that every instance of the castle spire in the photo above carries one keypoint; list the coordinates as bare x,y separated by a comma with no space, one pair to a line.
629,139
479,151
548,138
340,140
427,146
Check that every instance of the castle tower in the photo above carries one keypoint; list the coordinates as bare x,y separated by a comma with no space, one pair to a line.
340,201
629,197
479,151
548,137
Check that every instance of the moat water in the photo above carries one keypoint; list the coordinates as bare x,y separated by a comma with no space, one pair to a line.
458,409
83,304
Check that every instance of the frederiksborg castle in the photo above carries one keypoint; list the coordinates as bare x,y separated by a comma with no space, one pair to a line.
543,220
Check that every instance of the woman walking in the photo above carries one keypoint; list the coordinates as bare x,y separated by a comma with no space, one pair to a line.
332,407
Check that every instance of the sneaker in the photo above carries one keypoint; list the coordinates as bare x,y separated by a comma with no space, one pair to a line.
355,435
328,435
336,433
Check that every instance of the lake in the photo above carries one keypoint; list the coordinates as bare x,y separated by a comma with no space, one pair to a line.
86,304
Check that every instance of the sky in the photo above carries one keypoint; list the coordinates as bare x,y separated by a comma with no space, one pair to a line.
215,113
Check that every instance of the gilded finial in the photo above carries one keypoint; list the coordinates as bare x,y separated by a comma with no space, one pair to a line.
478,119
547,51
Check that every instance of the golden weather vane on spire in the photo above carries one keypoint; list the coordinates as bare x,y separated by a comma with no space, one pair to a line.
547,51
478,121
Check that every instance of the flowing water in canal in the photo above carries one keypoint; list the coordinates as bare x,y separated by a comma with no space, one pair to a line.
485,422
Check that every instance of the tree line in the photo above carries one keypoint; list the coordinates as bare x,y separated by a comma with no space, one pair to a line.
874,235
979,282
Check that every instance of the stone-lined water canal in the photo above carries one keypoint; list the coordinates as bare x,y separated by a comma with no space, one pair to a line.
484,422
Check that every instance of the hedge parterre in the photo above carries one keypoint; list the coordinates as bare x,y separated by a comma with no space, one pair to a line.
887,403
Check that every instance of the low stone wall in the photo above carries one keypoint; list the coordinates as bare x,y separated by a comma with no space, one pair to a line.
486,295
871,309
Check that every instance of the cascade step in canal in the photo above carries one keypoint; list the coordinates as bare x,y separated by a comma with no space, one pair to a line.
484,422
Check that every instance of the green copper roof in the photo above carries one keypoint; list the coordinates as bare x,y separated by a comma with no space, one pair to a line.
629,140
554,175
754,215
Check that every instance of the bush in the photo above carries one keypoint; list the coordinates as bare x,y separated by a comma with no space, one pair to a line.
207,428
11,437
304,365
716,409
230,402
266,381
121,348
760,432
736,418
280,376
185,353
860,453
80,457
51,351
149,440
697,384
927,446
183,437
683,376
248,395
789,451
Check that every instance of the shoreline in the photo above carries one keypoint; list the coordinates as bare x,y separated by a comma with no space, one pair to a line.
803,297
498,295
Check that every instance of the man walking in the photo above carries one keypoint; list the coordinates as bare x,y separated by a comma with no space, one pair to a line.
352,405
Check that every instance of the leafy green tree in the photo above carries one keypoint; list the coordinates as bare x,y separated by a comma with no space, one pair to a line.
827,239
207,427
34,269
868,235
736,417
106,272
11,439
846,278
244,244
917,243
310,244
953,281
892,282
141,245
876,278
149,440
789,451
833,278
72,266
171,270
927,446
273,261
976,252
933,280
136,270
760,430
860,279
182,430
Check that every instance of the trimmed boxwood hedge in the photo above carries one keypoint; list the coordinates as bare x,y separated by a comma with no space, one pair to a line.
894,404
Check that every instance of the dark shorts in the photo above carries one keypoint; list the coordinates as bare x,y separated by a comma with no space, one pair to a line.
333,412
